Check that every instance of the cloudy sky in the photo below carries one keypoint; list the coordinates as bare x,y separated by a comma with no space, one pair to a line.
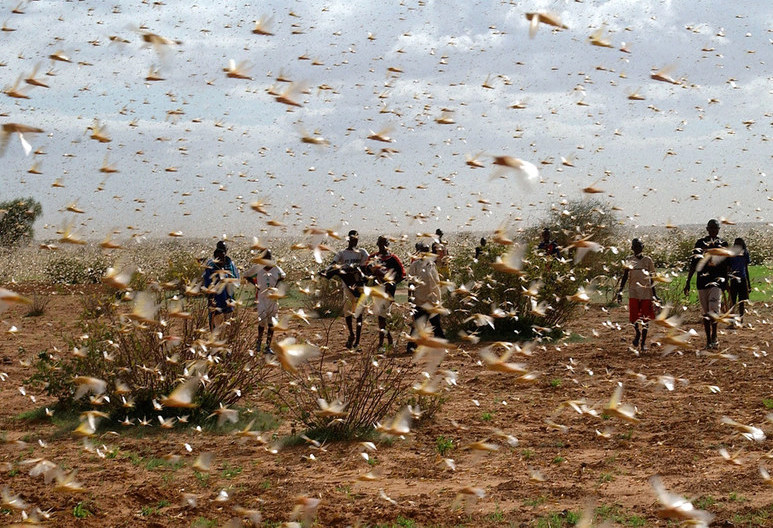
195,149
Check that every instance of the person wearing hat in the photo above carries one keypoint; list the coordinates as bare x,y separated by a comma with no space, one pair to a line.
641,292
424,292
385,268
348,265
711,279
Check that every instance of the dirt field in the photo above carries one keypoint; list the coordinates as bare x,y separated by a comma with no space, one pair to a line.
678,438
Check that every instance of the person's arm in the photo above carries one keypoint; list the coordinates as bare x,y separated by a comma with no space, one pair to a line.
693,265
622,285
747,259
651,272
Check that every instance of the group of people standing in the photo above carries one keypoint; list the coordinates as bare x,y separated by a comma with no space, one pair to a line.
381,272
356,268
717,268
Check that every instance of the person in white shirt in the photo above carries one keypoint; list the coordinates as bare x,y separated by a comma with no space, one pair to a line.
348,264
424,290
638,273
266,276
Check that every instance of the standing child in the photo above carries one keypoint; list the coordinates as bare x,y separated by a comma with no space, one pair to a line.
265,275
739,282
641,292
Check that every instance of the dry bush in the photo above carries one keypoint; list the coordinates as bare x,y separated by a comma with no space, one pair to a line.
149,360
371,386
38,306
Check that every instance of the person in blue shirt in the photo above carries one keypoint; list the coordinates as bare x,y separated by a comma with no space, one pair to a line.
220,281
739,284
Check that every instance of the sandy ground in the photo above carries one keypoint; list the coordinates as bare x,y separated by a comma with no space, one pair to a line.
678,438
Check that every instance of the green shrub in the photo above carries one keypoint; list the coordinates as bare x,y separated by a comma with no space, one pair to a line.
76,269
326,297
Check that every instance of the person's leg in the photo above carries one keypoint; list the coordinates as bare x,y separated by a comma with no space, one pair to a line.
714,300
703,297
644,327
269,337
359,331
633,317
437,330
382,331
260,335
637,334
350,341
416,312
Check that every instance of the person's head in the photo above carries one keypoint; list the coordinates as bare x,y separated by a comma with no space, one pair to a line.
637,246
266,255
353,237
482,241
439,233
221,245
713,228
740,243
422,247
382,243
219,255
546,234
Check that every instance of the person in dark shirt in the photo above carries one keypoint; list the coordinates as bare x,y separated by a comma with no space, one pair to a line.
711,278
739,284
479,249
550,247
385,268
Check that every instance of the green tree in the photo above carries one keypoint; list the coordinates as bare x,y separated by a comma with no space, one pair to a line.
16,219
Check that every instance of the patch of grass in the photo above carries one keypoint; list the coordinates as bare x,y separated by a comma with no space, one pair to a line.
559,460
533,503
736,497
443,445
557,520
80,511
202,478
156,463
496,516
230,472
768,403
555,382
487,416
203,522
704,501
606,477
755,518
265,485
527,454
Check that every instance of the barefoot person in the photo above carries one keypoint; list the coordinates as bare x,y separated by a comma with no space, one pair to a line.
641,292
348,266
266,276
711,279
385,268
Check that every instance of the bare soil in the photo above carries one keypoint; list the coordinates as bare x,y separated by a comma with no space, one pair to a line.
677,438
